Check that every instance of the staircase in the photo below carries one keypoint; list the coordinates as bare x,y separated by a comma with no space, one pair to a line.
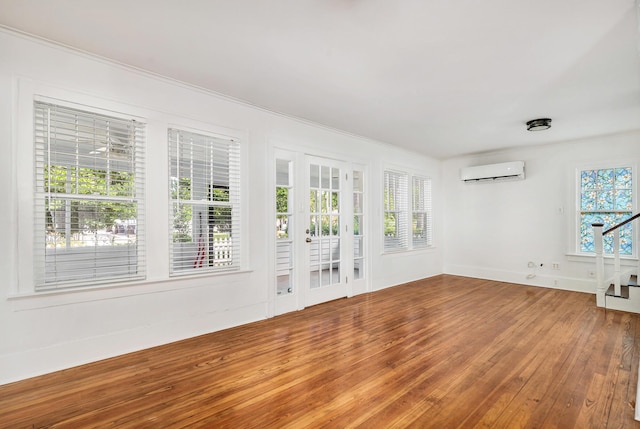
627,298
621,292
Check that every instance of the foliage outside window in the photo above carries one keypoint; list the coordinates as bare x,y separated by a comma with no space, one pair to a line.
204,190
606,196
89,193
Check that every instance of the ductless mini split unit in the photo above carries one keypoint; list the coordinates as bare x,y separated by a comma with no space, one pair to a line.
504,171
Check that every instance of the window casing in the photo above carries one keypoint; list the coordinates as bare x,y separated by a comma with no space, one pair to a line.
89,198
399,234
204,194
606,195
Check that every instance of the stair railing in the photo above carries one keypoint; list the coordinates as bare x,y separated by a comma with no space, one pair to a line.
598,235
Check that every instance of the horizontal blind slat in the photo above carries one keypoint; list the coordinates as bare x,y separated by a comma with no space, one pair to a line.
100,158
205,204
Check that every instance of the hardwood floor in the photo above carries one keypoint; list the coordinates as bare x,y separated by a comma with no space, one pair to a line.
445,352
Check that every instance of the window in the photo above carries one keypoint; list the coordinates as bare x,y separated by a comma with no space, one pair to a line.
397,234
204,188
606,195
421,211
89,212
395,210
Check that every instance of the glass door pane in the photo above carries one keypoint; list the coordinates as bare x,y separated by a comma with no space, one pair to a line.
358,225
327,263
324,226
284,235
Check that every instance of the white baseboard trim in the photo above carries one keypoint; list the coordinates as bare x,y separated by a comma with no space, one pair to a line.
540,280
35,362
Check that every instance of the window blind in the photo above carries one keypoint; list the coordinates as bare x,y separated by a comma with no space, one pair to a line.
421,212
205,203
89,193
395,210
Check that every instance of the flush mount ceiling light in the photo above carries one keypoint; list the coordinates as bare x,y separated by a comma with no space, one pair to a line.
539,124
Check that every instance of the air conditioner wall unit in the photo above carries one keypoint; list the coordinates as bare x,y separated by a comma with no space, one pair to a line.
504,171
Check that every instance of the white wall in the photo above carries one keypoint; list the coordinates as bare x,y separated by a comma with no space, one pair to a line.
493,229
44,332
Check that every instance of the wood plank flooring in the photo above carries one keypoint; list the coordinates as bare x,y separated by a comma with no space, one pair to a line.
445,352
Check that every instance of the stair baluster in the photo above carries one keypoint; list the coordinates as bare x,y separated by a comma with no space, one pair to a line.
616,263
601,288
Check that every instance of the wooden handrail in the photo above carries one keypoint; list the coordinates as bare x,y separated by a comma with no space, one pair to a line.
613,228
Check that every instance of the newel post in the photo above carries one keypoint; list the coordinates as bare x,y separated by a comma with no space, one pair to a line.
600,286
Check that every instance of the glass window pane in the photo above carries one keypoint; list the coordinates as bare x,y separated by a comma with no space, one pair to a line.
313,225
357,181
623,200
358,243
604,200
605,179
335,225
326,229
358,269
314,253
335,198
588,179
325,202
314,202
282,200
623,178
335,273
282,226
357,225
282,172
588,200
314,176
325,276
335,178
314,278
284,283
325,249
357,203
325,177
390,225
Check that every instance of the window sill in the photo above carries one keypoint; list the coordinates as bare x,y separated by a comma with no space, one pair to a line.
429,249
579,257
62,297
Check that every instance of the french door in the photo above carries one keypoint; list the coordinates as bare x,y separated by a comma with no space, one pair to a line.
320,220
326,235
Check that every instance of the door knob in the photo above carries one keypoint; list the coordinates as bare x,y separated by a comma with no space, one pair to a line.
308,240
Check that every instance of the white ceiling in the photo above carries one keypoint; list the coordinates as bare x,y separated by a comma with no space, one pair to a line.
441,77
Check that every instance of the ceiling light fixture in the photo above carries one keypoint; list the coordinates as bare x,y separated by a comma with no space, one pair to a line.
539,124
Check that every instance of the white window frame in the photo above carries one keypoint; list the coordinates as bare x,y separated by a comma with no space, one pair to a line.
61,266
421,211
409,203
205,253
577,212
395,196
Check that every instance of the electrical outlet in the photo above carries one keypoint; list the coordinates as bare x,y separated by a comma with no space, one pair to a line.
555,266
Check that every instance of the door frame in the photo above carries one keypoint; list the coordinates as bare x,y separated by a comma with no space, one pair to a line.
281,304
